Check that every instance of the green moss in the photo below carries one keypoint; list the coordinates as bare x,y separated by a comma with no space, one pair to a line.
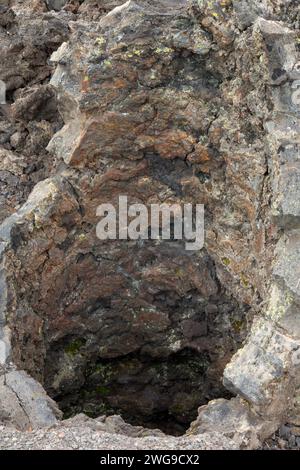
178,409
102,391
103,372
226,261
73,348
179,272
238,325
244,281
92,410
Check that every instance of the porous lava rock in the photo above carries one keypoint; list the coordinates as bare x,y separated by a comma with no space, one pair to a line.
164,102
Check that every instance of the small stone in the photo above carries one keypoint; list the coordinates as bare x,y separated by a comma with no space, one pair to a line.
16,139
56,4
281,443
295,430
284,432
292,441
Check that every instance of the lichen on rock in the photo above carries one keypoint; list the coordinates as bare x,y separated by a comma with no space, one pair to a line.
166,102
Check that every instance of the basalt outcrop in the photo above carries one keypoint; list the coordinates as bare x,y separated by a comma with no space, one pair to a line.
164,102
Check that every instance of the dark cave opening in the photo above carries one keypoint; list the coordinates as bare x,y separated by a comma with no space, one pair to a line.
151,346
141,330
152,387
161,393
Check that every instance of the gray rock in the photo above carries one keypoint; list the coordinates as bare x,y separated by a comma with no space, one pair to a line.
146,114
233,419
286,269
56,4
40,410
85,438
284,432
292,441
260,372
246,12
11,412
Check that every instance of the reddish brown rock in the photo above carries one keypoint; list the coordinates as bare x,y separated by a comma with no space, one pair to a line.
165,102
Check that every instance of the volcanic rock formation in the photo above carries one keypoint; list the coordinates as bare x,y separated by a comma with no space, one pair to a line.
164,102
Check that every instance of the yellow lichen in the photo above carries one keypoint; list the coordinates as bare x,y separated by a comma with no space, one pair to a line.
82,236
225,3
244,281
134,52
226,261
279,303
100,41
137,52
163,50
179,272
107,63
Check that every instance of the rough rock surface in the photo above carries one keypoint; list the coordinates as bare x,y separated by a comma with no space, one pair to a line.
287,437
85,438
29,118
135,314
106,433
24,403
163,101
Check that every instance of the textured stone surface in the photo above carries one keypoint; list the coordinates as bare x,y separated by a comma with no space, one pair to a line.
24,403
266,370
165,102
175,314
233,419
262,372
85,438
56,4
38,407
29,118
11,412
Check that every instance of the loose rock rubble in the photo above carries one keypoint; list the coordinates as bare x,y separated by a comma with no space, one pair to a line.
84,438
112,433
165,101
287,437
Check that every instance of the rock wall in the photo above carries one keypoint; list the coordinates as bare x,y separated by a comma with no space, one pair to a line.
176,102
